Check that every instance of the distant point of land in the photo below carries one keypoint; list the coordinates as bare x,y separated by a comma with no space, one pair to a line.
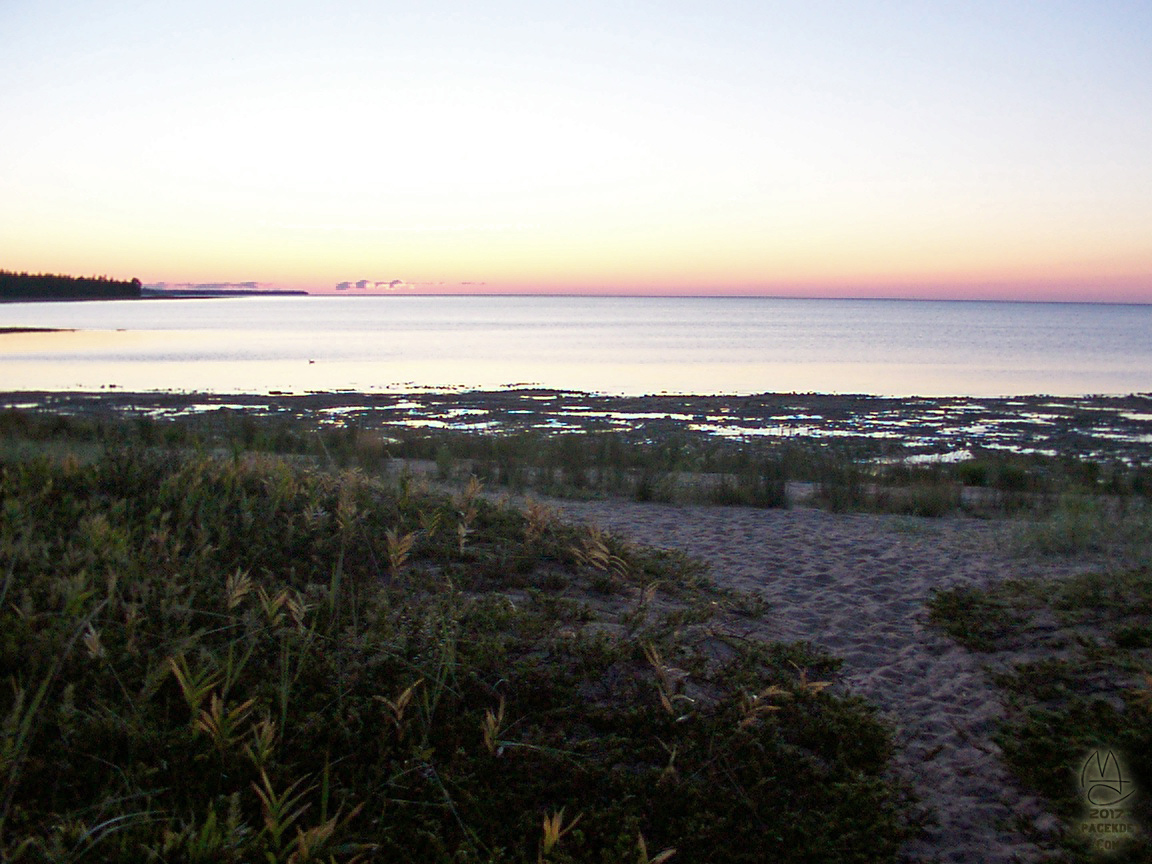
17,287
151,293
211,290
10,330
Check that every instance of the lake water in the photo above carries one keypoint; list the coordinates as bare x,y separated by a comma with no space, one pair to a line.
613,345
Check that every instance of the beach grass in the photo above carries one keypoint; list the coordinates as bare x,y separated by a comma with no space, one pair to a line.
219,654
684,468
1118,526
675,466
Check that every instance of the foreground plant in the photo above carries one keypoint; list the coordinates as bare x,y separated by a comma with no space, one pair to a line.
171,691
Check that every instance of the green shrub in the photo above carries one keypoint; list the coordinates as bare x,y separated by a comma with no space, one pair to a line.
244,660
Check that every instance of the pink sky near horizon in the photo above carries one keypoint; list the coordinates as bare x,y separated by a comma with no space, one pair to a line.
1128,291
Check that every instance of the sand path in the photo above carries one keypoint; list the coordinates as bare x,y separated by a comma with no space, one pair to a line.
857,584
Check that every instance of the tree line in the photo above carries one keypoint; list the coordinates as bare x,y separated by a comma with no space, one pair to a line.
51,286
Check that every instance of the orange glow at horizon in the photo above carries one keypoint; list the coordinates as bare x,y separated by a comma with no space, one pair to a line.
659,260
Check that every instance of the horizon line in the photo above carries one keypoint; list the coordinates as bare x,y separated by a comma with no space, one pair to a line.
646,296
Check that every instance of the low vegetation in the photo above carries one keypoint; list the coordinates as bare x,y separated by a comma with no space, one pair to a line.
1074,658
676,467
1118,527
234,656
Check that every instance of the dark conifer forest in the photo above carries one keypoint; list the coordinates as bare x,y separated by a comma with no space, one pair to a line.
50,286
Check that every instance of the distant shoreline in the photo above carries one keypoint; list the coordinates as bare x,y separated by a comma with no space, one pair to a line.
158,295
209,294
33,299
8,330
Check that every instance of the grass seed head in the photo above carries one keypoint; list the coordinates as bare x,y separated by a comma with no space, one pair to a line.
236,588
555,830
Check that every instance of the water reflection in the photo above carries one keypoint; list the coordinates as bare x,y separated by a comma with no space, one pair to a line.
603,345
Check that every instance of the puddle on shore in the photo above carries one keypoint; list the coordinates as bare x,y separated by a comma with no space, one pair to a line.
915,429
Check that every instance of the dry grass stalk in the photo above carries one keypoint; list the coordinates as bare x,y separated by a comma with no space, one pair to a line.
492,727
754,706
669,680
311,844
538,518
297,608
467,499
399,548
466,507
660,858
271,605
221,723
236,588
263,743
811,688
595,553
400,706
280,811
194,685
554,831
92,642
430,524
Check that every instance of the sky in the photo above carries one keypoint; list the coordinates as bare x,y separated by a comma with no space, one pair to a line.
998,150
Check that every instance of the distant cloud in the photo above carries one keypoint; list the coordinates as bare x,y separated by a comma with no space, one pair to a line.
373,285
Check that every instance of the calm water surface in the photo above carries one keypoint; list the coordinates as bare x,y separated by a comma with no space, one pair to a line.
628,346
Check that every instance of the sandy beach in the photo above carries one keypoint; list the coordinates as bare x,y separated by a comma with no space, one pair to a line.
857,584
